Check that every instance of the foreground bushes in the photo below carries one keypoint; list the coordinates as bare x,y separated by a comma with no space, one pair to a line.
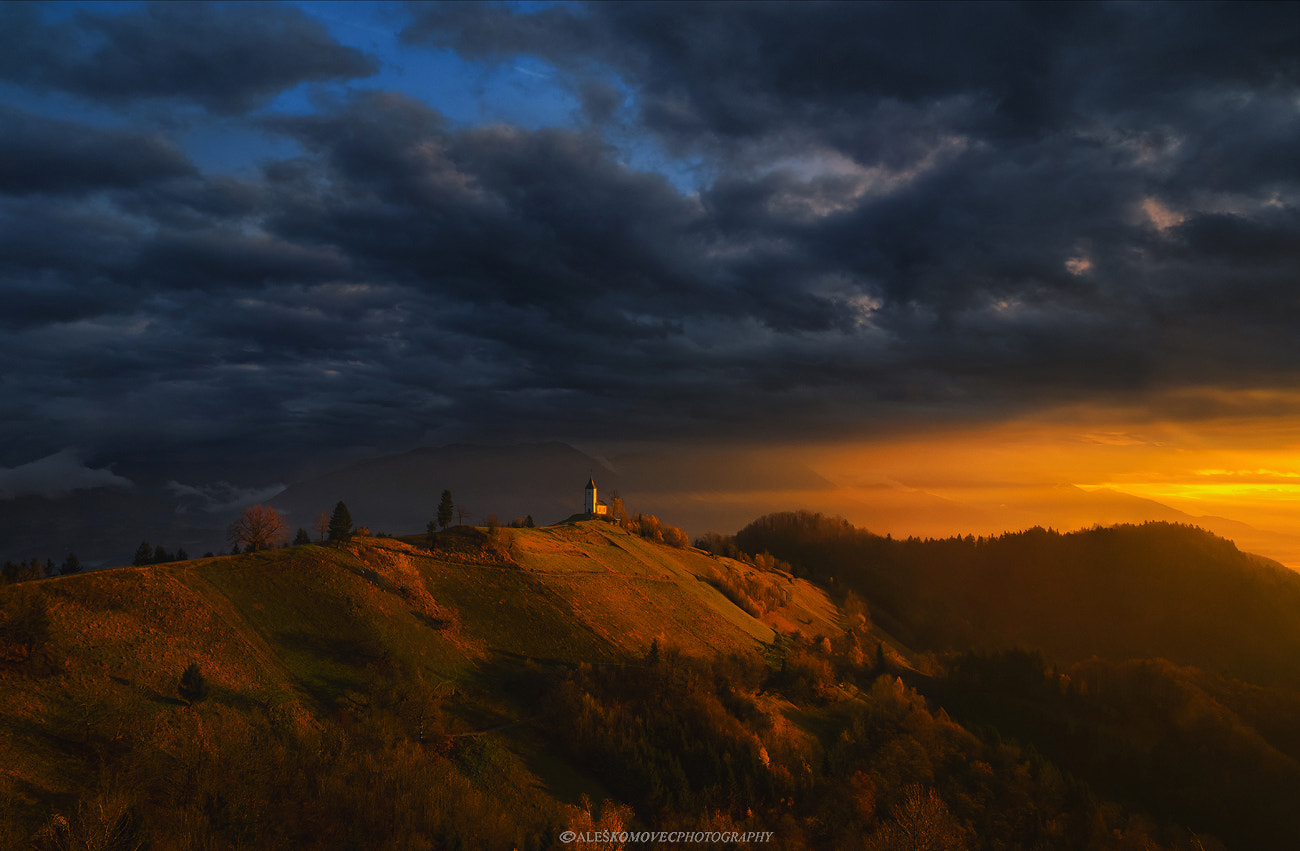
710,745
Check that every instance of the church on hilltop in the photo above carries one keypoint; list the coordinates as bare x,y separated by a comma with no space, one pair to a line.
591,506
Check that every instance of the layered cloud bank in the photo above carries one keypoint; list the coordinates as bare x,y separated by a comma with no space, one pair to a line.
812,221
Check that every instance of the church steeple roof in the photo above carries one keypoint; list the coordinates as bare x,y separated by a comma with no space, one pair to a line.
591,483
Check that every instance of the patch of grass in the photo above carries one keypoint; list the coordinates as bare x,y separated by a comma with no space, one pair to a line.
514,612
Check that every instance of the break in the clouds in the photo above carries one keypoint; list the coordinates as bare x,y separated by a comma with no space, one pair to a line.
732,219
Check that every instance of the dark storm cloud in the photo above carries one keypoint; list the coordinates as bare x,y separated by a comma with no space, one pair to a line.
62,258
493,214
227,57
898,212
214,259
1024,141
40,154
719,70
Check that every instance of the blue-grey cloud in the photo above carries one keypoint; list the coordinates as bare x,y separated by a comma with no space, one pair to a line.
229,58
41,154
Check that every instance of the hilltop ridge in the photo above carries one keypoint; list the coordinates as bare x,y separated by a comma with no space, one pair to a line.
502,685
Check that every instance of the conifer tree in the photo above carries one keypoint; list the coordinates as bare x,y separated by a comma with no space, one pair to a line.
143,554
446,510
193,688
301,538
71,565
340,523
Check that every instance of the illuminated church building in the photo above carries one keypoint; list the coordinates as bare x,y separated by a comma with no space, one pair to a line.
592,506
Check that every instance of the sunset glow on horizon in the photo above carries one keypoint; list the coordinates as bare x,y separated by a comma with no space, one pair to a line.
1247,471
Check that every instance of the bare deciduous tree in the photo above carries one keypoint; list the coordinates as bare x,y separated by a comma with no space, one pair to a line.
322,524
259,527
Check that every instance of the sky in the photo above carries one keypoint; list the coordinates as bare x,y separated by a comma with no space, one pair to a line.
955,247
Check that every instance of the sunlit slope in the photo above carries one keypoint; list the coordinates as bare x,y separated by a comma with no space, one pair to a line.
303,633
630,591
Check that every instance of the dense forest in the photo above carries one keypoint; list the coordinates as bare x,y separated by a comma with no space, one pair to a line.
1156,662
1155,590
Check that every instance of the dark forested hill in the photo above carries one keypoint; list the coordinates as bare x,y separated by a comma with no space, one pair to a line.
1155,590
1157,663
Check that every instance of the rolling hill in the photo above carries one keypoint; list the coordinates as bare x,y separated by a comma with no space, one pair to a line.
499,687
291,639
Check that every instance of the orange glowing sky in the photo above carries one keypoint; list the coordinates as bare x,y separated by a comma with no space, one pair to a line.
1007,476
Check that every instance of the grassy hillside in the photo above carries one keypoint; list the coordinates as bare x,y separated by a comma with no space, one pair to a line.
501,687
291,639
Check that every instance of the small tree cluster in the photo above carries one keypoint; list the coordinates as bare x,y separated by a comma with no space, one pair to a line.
653,529
757,593
721,545
26,571
145,554
646,525
618,511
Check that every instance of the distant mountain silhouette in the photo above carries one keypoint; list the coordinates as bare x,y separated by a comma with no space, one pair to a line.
103,526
